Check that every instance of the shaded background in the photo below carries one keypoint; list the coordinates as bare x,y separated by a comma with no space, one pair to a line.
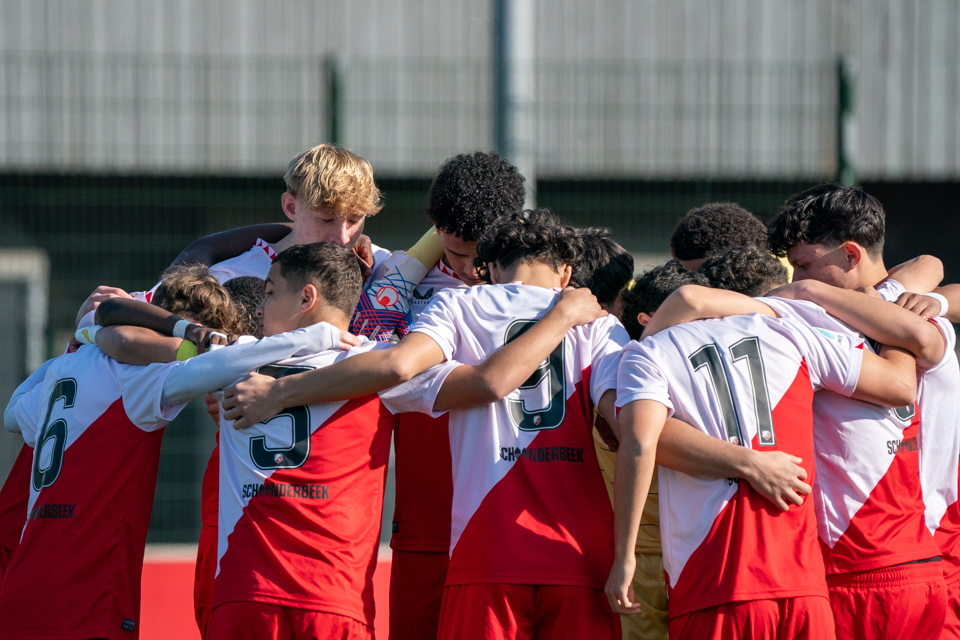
130,128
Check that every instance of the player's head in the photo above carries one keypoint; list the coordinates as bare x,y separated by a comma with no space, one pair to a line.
649,291
747,270
831,233
193,294
604,267
330,193
713,227
536,238
310,283
471,192
247,293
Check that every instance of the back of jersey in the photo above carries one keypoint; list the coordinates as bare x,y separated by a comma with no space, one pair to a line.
95,426
749,380
529,503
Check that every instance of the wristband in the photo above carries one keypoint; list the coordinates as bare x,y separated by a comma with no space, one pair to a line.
944,305
214,347
180,328
87,335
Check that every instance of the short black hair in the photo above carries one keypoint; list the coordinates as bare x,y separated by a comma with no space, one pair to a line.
652,288
532,236
830,214
747,270
604,267
713,227
247,293
473,190
331,268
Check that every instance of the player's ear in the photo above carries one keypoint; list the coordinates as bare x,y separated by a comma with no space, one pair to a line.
309,298
644,318
289,205
853,254
565,276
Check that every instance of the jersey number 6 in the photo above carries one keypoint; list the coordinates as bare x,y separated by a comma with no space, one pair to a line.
65,389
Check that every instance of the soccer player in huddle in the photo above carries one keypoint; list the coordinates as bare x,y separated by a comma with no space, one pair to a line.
888,532
524,466
712,227
82,546
745,379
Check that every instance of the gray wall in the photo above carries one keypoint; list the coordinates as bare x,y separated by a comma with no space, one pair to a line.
625,87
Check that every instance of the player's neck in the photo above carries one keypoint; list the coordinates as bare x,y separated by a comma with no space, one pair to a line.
325,314
871,273
301,234
535,274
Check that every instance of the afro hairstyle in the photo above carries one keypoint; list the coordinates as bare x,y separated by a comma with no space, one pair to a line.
747,270
652,288
713,227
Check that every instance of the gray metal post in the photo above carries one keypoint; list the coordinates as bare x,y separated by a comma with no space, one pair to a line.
846,122
335,95
515,121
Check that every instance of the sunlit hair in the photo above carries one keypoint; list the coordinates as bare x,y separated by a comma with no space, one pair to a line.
328,178
195,295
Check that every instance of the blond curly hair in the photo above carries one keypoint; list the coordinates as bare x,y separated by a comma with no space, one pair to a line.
328,178
192,293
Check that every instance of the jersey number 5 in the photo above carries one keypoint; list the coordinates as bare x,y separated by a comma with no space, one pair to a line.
288,457
748,349
550,373
66,390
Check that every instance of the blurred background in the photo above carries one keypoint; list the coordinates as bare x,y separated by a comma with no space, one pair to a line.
129,128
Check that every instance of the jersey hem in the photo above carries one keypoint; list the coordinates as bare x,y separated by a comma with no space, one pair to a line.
674,611
882,562
294,603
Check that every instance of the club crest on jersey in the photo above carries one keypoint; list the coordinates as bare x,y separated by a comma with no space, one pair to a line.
278,458
537,420
765,435
387,296
734,440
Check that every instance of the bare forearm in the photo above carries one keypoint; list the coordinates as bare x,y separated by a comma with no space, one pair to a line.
218,247
122,311
688,450
354,377
136,345
693,302
919,275
632,476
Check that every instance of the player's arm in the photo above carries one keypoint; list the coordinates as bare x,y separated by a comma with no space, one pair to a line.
641,422
693,302
888,379
121,311
883,321
10,413
512,364
930,306
137,345
217,247
258,397
775,475
922,274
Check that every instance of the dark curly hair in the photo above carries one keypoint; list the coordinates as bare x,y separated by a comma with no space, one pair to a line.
532,236
713,227
604,267
651,289
247,293
747,270
472,191
829,214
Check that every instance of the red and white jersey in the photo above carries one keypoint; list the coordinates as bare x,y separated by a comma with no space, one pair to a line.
749,380
301,497
529,502
14,497
424,492
870,509
95,426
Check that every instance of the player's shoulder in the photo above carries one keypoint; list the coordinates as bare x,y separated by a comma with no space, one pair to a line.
255,262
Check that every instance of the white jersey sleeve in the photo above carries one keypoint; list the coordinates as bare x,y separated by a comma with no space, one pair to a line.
34,380
833,358
442,321
640,378
419,394
141,388
890,290
28,412
606,338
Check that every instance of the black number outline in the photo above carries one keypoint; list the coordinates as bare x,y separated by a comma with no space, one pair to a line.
552,369
709,356
750,351
297,454
64,389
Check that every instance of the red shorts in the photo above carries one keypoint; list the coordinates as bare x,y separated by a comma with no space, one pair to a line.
203,575
907,601
263,621
782,618
951,625
523,611
416,592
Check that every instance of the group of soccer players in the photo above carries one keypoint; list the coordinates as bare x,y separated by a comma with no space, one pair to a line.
703,450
